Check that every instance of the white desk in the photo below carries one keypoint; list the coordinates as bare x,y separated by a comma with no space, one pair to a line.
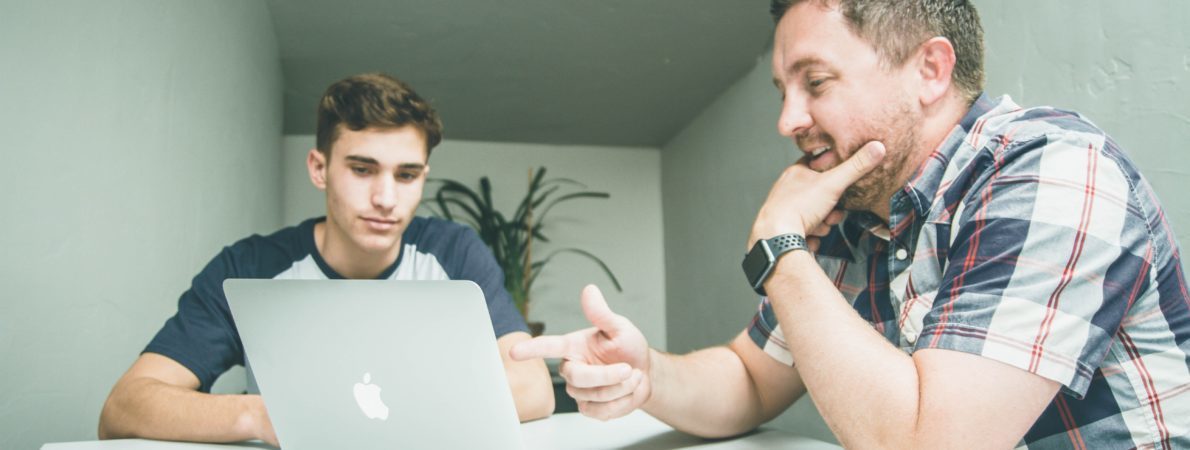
637,431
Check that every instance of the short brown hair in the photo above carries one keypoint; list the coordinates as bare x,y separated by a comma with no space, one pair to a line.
374,100
896,27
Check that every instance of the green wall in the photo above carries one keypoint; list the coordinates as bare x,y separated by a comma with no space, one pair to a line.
140,136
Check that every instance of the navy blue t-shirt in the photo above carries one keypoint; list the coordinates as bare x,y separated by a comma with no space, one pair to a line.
203,337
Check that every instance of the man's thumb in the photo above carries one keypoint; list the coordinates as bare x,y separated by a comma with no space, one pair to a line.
597,311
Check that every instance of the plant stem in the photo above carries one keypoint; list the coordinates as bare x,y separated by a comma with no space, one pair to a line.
528,250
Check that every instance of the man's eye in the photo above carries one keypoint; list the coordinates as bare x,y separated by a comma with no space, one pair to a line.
407,176
360,170
815,83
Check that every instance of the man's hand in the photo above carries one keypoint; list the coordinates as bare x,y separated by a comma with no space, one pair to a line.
802,201
606,367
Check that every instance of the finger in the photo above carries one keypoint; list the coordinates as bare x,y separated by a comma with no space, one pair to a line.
863,161
606,393
597,311
541,347
835,217
820,230
583,375
812,243
607,410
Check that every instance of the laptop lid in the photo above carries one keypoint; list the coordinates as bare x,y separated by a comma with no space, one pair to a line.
369,364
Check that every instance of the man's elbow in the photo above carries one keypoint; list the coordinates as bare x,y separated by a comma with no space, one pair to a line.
108,428
105,432
117,418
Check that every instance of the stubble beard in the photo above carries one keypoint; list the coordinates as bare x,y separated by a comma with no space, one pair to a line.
878,186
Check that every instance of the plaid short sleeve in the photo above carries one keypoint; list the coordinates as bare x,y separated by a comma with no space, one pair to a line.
1044,259
765,332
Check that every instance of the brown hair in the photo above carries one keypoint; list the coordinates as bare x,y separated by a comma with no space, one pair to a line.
896,27
374,100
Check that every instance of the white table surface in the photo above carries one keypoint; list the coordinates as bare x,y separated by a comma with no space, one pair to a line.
637,431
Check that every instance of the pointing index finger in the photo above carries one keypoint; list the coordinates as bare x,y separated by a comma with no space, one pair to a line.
540,347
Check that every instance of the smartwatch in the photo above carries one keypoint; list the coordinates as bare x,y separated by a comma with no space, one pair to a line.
759,261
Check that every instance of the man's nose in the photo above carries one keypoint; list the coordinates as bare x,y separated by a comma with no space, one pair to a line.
795,117
384,193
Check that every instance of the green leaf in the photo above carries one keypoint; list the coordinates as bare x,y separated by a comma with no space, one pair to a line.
509,236
606,270
571,196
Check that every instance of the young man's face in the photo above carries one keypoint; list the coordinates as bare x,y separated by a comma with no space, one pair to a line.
837,96
373,183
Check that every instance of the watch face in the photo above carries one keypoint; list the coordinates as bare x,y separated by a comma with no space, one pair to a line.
757,262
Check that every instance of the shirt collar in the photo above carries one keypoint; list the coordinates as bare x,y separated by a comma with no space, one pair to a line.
844,238
922,188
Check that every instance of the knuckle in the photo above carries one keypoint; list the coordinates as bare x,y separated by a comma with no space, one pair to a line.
609,397
591,395
620,407
604,395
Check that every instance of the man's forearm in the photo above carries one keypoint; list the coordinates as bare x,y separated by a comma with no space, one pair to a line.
707,393
532,389
148,408
851,370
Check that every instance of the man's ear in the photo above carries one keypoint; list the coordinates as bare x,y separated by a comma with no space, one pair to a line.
936,61
316,165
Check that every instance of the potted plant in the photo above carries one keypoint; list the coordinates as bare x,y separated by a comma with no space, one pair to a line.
511,237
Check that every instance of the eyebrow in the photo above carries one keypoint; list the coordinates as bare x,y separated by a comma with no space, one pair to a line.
373,161
799,66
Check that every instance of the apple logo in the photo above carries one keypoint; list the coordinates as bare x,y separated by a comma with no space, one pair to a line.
367,395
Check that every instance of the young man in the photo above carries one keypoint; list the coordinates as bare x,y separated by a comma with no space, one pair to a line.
374,139
1002,276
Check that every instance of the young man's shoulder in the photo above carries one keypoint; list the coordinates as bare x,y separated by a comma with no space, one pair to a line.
259,256
456,247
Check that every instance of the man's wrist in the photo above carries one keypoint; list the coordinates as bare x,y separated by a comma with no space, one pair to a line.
761,261
790,263
253,417
245,419
652,374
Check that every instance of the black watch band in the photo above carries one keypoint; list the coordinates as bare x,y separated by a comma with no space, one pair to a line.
759,261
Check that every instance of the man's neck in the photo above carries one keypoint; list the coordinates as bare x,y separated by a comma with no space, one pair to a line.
348,260
936,125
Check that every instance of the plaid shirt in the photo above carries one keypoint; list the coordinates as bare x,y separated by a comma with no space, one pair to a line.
1028,237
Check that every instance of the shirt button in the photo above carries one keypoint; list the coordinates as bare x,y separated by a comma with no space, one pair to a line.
902,254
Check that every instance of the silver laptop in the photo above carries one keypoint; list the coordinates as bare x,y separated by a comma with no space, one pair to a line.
365,364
